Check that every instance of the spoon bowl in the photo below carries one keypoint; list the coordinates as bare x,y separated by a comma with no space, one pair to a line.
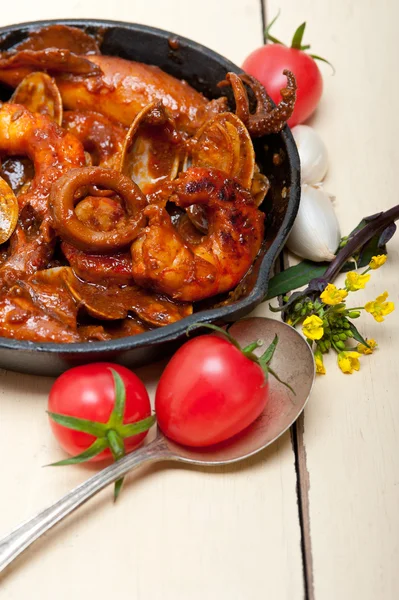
292,360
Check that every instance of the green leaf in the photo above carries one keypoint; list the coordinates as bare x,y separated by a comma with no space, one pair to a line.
90,427
302,273
298,35
120,399
136,428
269,37
251,347
357,336
117,448
316,57
268,354
118,487
372,248
116,444
294,277
95,449
386,235
362,224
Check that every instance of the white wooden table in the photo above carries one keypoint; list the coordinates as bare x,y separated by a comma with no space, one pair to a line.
315,516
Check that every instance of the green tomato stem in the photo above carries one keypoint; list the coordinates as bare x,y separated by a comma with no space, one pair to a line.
268,354
117,448
297,37
263,361
96,448
251,347
296,42
108,435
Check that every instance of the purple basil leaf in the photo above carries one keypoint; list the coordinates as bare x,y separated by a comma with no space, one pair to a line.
386,235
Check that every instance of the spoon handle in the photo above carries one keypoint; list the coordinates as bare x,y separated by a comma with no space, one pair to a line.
23,536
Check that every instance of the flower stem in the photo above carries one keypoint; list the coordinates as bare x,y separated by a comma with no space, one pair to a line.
359,239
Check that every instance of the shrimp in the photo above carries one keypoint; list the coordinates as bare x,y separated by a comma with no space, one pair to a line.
186,271
52,150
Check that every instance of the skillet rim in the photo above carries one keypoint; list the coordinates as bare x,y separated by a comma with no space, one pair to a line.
173,332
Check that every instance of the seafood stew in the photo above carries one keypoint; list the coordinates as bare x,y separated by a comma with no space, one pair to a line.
139,199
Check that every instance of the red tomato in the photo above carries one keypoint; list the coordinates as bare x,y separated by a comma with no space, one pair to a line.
209,392
88,392
267,65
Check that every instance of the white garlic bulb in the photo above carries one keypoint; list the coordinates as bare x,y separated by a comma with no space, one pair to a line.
316,233
312,153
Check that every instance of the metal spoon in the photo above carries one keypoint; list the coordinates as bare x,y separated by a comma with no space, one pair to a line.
293,361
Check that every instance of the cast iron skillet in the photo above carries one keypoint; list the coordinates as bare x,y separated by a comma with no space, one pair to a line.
276,155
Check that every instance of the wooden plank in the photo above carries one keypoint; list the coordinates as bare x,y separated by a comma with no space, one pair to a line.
351,424
175,533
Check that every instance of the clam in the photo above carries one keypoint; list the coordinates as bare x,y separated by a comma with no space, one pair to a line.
59,36
259,187
18,172
8,211
116,302
49,293
117,329
39,93
224,143
152,149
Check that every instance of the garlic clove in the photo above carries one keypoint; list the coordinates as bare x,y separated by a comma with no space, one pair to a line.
312,153
316,233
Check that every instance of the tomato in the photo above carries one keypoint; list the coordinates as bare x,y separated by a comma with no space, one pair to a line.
209,391
89,392
267,65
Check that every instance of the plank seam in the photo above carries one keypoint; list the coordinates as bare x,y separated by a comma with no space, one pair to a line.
302,489
263,18
297,440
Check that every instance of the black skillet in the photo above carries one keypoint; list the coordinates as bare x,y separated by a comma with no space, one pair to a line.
203,69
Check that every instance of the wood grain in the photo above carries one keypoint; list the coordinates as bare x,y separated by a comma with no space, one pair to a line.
351,423
175,534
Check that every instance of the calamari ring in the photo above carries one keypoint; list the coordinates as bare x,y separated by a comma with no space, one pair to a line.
65,221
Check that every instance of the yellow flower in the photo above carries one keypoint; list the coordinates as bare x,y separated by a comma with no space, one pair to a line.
379,308
348,361
289,321
313,328
364,350
333,295
320,368
354,281
377,261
